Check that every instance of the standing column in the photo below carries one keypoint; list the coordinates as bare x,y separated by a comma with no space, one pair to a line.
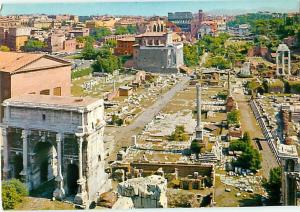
81,196
25,159
283,63
277,63
289,62
59,192
5,154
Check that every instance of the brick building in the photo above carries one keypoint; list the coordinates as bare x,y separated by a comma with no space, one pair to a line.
125,46
24,73
60,43
14,37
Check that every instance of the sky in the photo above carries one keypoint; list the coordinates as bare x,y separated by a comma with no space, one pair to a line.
27,1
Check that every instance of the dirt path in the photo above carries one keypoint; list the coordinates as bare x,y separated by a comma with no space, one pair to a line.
250,125
123,134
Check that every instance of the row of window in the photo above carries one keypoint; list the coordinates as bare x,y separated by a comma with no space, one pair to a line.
56,91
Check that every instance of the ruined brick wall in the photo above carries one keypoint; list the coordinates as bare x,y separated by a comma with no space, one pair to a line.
183,169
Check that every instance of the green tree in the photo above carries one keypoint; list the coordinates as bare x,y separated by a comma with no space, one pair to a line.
132,29
218,62
250,159
13,192
273,186
190,55
106,62
111,43
34,45
4,48
120,30
196,147
99,33
233,117
89,51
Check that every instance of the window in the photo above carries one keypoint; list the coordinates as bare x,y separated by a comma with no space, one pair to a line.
44,117
57,91
45,92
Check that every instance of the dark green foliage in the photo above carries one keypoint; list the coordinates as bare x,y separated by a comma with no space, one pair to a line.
121,30
274,27
196,147
233,117
106,62
99,33
111,43
218,62
132,29
214,45
34,45
191,55
250,158
116,120
89,52
81,73
293,87
179,134
222,95
273,186
13,192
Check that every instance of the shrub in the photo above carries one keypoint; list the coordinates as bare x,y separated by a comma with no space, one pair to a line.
233,117
179,134
19,186
196,148
13,192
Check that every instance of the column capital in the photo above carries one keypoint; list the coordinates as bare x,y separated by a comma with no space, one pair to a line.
59,136
25,133
4,131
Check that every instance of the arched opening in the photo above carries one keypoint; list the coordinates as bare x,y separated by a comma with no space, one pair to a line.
162,28
154,28
18,166
72,177
46,161
290,166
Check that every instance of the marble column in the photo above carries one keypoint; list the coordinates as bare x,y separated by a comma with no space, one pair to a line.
59,192
5,154
277,63
283,63
81,196
289,63
25,156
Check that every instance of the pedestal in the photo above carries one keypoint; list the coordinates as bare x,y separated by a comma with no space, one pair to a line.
81,197
59,193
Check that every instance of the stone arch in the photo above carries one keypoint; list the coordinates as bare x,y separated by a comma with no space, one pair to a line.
154,28
72,177
45,162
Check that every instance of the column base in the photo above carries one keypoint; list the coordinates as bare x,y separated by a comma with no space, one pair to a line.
81,199
59,194
6,173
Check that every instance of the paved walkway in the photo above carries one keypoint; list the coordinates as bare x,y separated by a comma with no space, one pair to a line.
123,134
250,125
